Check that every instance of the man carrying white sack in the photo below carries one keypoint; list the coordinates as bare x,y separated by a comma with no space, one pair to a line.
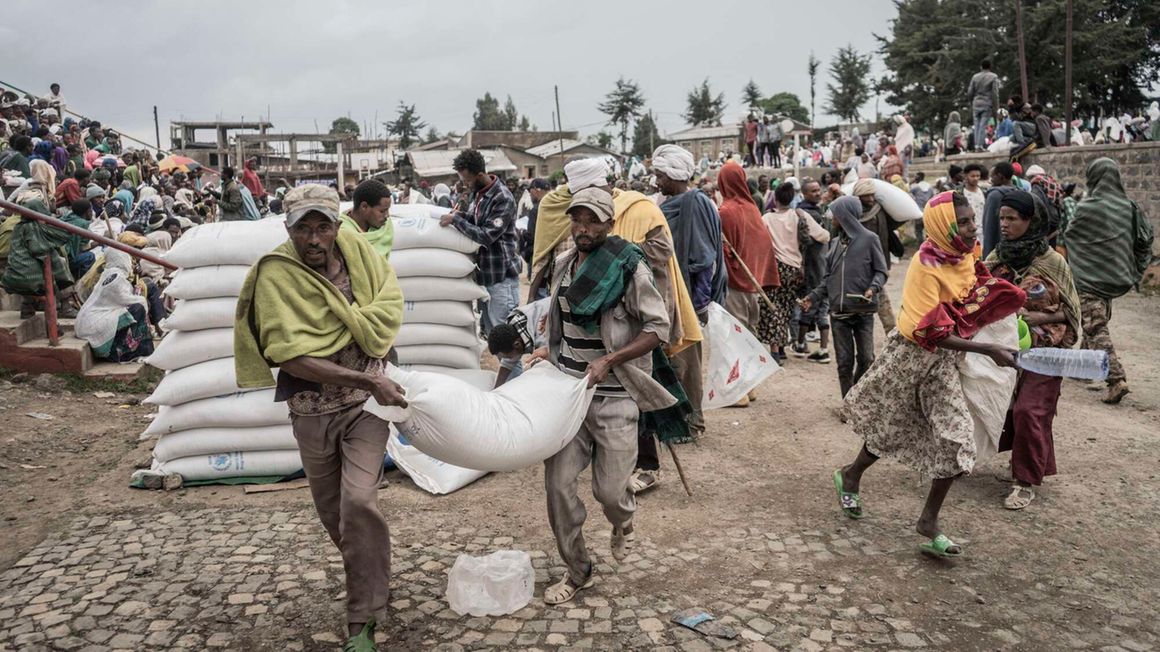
325,307
606,317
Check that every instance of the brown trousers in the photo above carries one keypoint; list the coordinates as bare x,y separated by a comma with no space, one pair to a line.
342,455
745,307
607,441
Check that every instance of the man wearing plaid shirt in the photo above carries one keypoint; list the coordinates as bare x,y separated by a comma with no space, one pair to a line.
490,221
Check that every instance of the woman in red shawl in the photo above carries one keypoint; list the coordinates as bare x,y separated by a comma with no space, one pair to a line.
749,247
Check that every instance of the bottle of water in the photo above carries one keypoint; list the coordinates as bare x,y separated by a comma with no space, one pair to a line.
1086,364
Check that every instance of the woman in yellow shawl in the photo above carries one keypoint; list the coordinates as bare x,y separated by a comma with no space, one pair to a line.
910,404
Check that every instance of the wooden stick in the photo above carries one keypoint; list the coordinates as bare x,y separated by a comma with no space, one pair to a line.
680,469
300,483
752,278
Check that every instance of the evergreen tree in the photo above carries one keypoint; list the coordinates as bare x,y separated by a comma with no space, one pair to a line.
751,95
645,137
511,116
850,87
432,136
406,126
600,139
703,107
812,70
488,116
622,105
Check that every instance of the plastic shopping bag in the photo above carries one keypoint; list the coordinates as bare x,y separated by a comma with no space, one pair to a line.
737,361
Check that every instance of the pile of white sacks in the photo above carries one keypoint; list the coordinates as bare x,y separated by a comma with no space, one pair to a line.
209,429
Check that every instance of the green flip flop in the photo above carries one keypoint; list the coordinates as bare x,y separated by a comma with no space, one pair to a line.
851,503
938,547
364,641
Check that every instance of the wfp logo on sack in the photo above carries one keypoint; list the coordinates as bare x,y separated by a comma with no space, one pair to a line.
225,461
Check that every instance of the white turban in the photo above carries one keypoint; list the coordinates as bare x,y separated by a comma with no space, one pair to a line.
674,162
586,173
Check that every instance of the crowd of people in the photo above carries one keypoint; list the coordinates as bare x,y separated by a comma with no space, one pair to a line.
621,275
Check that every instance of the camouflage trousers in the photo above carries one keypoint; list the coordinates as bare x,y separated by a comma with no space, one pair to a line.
1096,312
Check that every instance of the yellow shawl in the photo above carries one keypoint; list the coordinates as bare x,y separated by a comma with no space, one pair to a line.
635,216
553,225
287,310
943,270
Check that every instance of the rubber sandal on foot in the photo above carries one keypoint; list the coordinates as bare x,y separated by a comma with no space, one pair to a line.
939,546
364,641
1019,498
851,503
563,591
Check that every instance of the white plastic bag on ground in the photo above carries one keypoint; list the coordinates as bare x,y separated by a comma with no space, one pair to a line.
202,380
432,288
425,232
444,263
988,387
494,585
450,313
200,314
737,363
203,441
227,243
208,282
185,348
234,464
524,422
416,334
439,355
245,410
428,473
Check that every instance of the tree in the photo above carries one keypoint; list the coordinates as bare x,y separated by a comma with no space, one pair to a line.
341,125
622,105
935,46
432,136
751,95
812,69
645,136
406,126
510,114
526,125
600,139
488,116
850,87
703,107
786,104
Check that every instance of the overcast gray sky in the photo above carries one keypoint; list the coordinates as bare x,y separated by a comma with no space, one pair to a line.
314,61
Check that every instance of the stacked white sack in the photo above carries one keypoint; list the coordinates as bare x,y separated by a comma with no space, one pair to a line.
208,428
435,269
436,273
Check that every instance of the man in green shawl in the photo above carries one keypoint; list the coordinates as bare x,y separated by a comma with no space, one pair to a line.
1109,246
370,217
325,307
605,320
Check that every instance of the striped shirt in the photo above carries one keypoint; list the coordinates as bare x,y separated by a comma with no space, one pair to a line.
579,347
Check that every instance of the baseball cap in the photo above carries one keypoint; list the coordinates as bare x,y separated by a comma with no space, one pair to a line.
540,184
307,198
594,199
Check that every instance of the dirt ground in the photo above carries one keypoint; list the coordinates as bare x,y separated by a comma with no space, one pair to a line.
1081,558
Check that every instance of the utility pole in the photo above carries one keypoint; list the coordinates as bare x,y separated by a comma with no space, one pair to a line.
560,121
651,144
157,125
1067,98
1022,54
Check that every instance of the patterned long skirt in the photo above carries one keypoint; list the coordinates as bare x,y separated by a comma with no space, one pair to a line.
773,325
910,406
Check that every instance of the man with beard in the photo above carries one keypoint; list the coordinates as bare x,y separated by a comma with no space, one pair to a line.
490,221
605,319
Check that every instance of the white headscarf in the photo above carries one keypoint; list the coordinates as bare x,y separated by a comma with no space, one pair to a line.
99,317
441,190
586,173
674,162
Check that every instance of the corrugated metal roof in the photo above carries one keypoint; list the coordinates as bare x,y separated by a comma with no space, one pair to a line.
437,163
697,133
553,147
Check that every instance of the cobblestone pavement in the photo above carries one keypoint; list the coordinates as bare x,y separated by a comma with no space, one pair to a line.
269,580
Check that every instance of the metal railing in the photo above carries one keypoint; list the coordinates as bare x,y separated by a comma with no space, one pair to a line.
50,316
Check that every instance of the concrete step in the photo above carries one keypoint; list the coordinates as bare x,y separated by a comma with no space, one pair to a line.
71,356
121,372
15,331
